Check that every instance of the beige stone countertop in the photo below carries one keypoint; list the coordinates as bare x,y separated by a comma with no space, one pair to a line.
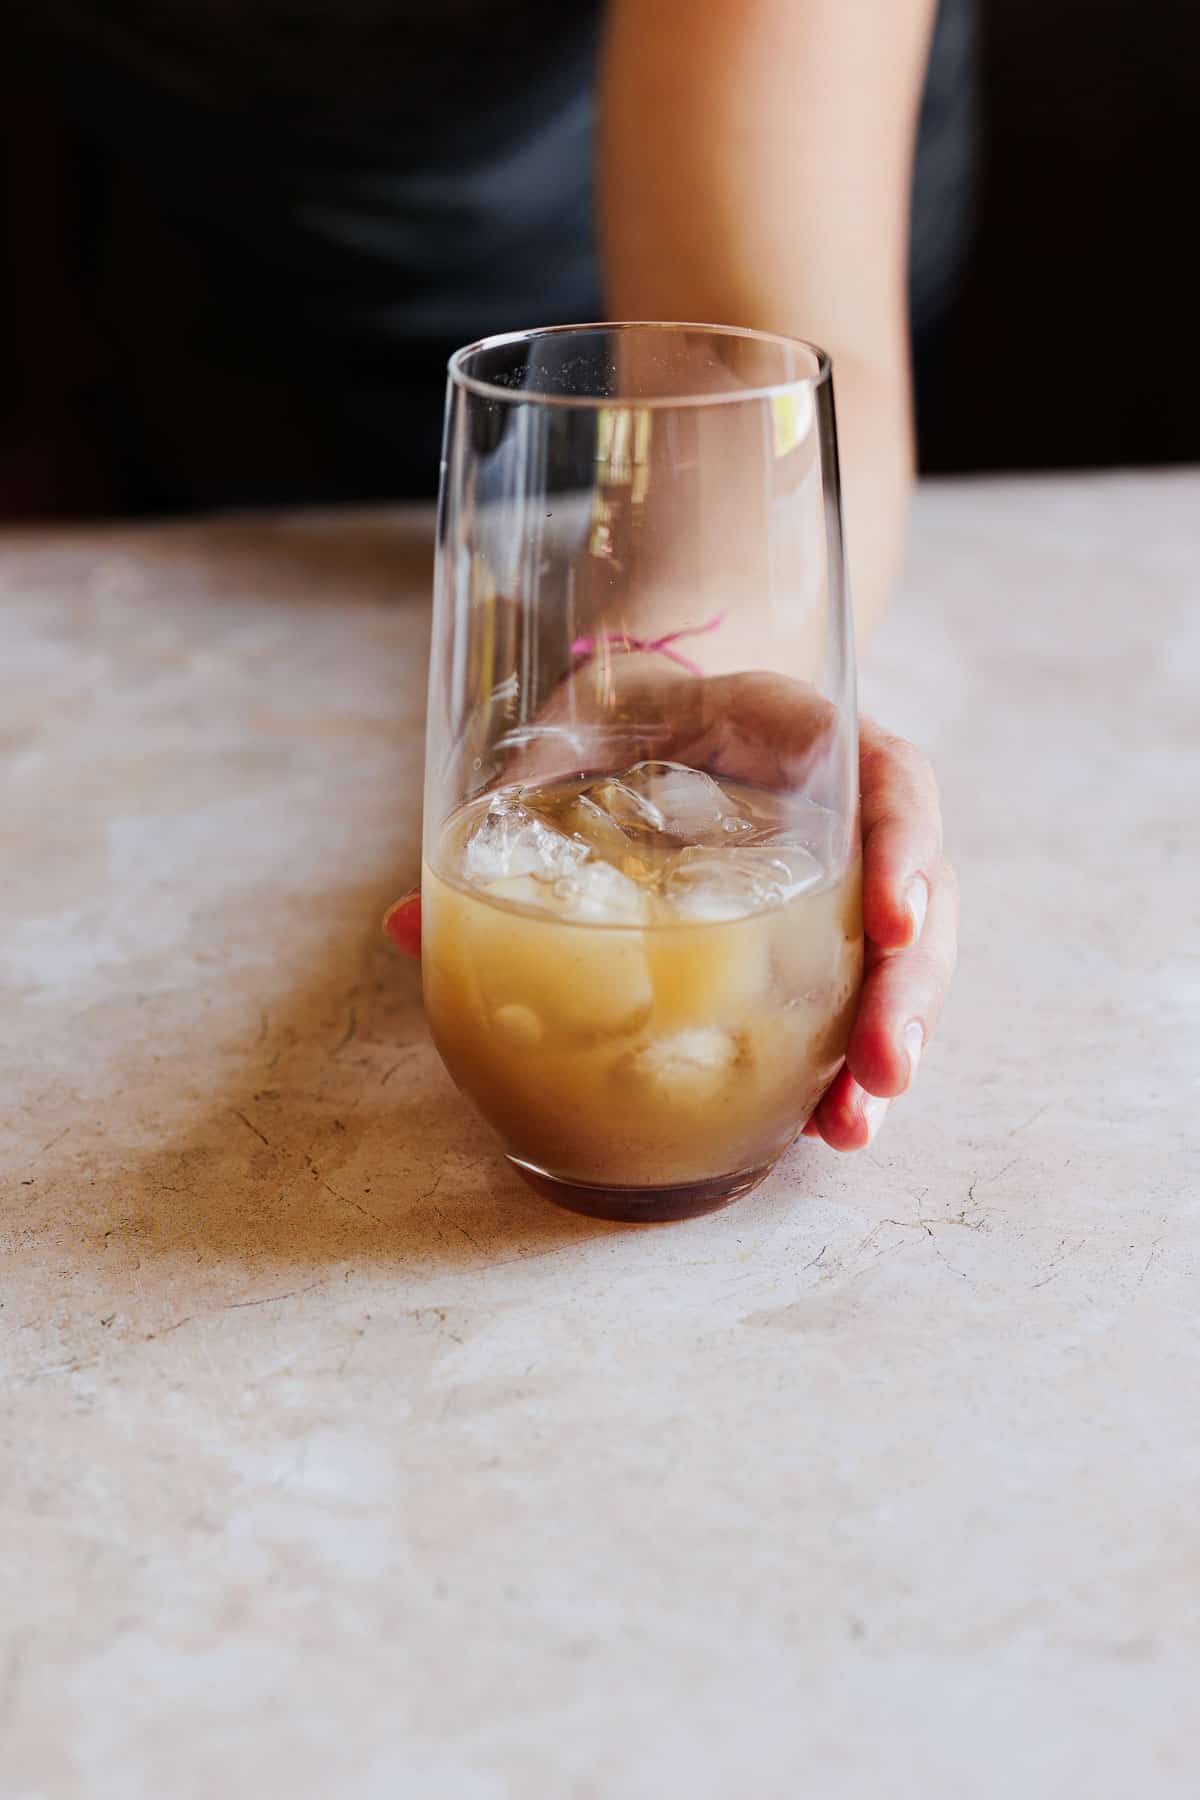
333,1462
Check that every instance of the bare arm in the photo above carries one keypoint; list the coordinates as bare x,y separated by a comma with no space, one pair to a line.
755,162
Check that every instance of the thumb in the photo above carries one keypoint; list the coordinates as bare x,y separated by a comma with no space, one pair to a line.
402,923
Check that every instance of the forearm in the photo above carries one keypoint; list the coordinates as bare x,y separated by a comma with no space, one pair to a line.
754,167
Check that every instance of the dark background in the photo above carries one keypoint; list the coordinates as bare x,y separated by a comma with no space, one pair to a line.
1075,341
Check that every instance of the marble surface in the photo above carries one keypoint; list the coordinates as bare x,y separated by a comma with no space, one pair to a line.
333,1462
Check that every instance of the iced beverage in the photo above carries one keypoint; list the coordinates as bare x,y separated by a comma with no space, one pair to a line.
644,980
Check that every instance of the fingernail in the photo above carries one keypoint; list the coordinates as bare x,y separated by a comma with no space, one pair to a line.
917,902
914,1042
873,1112
402,923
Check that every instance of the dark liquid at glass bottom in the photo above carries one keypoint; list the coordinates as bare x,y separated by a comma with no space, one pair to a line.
642,1206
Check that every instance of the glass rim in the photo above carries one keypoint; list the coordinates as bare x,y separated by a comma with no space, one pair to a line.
490,390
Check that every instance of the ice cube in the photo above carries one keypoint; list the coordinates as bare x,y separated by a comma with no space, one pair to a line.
593,826
518,1025
592,893
574,979
510,840
671,801
709,975
712,885
790,1059
632,811
689,1068
810,952
796,822
597,894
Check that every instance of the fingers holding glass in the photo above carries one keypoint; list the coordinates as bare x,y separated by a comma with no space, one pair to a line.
902,837
900,1005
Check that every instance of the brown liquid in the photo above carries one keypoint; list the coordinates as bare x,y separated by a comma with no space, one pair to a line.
649,1030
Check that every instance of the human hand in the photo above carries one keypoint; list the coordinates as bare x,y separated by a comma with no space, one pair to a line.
910,921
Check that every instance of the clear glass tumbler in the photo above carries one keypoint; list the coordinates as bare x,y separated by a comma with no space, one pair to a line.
641,896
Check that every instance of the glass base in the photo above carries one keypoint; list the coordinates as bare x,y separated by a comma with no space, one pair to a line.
642,1205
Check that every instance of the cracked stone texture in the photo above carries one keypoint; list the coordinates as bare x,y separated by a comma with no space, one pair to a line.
335,1462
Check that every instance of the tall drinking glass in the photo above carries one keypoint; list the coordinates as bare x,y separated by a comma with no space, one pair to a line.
641,897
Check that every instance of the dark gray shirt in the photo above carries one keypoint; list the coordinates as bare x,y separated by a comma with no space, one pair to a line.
301,208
